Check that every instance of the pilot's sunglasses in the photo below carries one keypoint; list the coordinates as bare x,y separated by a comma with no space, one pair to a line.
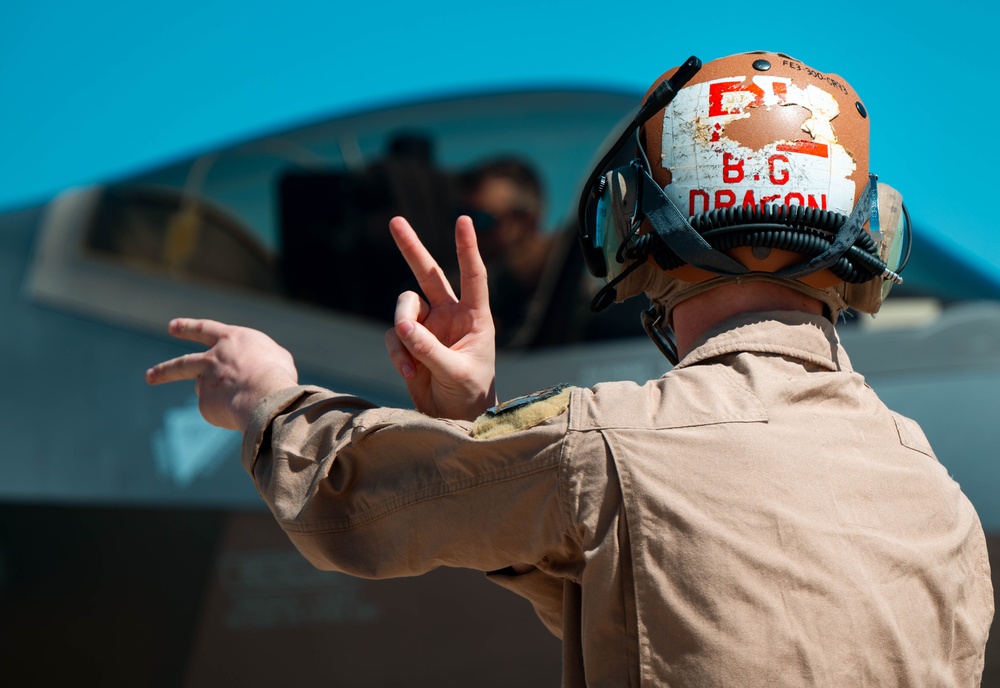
486,221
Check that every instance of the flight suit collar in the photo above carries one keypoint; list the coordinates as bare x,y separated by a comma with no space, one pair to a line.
795,334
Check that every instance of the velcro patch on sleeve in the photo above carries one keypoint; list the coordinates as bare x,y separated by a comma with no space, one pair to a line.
522,413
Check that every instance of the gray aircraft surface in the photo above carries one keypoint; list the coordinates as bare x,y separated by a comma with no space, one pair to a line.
134,550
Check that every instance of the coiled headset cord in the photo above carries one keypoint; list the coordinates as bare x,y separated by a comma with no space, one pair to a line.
798,229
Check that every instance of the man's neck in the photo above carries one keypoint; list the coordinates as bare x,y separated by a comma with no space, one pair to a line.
694,317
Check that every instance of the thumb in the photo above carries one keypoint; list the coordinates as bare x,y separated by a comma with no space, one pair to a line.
426,348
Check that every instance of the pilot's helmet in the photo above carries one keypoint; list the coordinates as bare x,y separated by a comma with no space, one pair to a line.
768,159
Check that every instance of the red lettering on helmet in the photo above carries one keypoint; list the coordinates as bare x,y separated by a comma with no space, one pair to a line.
702,200
806,147
729,196
777,176
732,169
717,91
813,204
697,193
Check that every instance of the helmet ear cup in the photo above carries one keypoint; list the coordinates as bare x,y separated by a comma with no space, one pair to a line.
892,235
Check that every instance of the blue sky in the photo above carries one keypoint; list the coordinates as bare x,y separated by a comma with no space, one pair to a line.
94,91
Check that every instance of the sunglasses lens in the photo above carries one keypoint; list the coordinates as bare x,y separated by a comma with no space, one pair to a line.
483,221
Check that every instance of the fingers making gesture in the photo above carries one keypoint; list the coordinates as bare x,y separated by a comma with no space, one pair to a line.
241,367
443,345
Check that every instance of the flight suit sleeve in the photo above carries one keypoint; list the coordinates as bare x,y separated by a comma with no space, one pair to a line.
544,591
379,492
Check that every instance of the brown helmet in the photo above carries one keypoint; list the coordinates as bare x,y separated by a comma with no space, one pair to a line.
753,167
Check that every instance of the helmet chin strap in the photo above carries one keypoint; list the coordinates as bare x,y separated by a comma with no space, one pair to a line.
676,232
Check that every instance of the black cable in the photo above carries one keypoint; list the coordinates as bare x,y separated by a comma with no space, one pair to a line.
797,229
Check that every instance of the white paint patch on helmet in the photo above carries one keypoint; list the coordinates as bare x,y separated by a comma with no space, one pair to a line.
710,170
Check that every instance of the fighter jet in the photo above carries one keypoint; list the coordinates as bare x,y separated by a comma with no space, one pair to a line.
129,529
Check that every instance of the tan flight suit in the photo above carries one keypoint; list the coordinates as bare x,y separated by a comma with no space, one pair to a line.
754,517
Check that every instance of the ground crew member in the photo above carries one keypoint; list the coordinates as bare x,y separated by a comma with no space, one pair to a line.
754,517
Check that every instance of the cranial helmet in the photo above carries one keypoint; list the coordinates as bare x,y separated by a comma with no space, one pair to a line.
753,167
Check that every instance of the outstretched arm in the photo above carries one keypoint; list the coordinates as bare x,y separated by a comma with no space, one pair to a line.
442,345
242,367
